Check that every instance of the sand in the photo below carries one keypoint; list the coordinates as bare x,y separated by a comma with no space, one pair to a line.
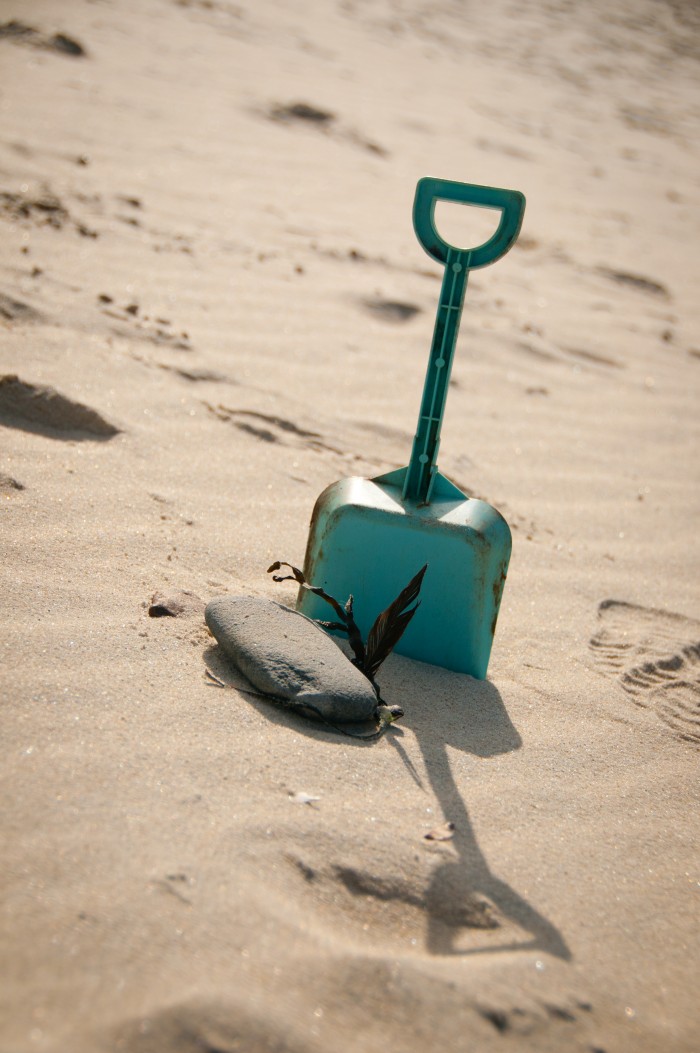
214,305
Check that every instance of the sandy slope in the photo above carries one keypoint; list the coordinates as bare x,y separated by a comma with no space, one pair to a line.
217,280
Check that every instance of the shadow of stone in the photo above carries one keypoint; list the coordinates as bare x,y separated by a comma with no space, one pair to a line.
278,712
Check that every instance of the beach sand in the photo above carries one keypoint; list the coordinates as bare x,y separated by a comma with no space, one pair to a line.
212,305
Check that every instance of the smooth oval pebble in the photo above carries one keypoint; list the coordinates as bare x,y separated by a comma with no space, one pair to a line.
284,653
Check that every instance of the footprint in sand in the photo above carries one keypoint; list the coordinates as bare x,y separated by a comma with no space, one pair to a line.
41,409
10,485
270,428
303,113
19,33
208,1027
17,311
195,375
636,281
440,901
655,656
391,310
41,208
593,357
427,910
141,327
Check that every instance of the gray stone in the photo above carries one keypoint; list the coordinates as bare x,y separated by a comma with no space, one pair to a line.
285,654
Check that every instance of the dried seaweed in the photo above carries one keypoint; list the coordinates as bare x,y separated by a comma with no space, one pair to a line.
387,630
391,625
347,622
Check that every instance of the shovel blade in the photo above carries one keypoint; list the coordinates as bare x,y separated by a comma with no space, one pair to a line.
366,540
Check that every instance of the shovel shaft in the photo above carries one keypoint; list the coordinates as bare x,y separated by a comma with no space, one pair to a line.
422,467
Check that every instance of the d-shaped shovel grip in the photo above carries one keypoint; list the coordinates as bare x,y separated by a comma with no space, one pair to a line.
422,470
429,191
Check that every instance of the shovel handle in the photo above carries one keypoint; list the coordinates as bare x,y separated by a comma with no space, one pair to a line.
422,470
429,191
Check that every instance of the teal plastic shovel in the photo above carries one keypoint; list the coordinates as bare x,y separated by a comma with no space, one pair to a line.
368,537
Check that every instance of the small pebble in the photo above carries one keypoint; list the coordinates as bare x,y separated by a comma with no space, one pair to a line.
285,654
174,604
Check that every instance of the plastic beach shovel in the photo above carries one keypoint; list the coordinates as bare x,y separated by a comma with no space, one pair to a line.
369,537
